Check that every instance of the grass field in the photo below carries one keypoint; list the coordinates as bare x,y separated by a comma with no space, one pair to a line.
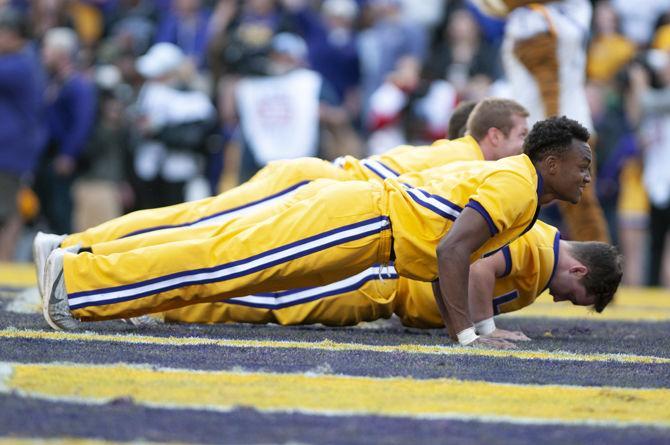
584,378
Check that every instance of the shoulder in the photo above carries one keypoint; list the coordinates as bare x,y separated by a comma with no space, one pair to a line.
540,236
518,167
542,233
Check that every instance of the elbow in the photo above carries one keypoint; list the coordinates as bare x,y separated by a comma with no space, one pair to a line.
450,249
442,249
477,272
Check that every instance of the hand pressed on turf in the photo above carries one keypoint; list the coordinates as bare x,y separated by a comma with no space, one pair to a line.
508,335
493,343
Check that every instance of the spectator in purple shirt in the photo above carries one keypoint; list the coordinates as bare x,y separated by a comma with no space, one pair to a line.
22,123
71,111
331,40
186,25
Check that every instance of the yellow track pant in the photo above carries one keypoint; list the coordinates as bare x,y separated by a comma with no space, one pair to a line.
235,222
366,296
276,181
377,292
315,238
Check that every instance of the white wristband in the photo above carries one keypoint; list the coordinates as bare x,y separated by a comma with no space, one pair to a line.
485,327
467,336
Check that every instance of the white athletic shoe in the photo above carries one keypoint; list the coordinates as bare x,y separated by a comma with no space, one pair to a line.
43,245
143,321
55,306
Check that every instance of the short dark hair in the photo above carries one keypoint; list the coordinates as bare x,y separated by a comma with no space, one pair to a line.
605,265
553,136
494,112
459,119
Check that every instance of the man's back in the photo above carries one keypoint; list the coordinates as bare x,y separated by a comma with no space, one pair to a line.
423,206
405,159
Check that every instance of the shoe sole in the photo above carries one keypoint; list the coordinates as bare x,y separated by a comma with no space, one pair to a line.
40,263
45,300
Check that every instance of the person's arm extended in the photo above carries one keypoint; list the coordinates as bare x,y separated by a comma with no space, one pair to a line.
468,233
483,275
482,280
437,293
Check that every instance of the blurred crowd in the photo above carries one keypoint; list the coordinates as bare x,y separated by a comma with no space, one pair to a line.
114,105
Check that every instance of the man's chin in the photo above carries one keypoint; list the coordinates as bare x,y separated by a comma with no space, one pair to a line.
571,199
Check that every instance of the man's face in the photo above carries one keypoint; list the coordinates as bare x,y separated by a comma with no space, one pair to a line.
571,289
572,172
512,144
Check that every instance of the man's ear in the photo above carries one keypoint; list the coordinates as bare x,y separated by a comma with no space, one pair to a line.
551,163
580,270
494,135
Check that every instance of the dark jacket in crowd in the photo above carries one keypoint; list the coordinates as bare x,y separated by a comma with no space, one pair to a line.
22,129
71,115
